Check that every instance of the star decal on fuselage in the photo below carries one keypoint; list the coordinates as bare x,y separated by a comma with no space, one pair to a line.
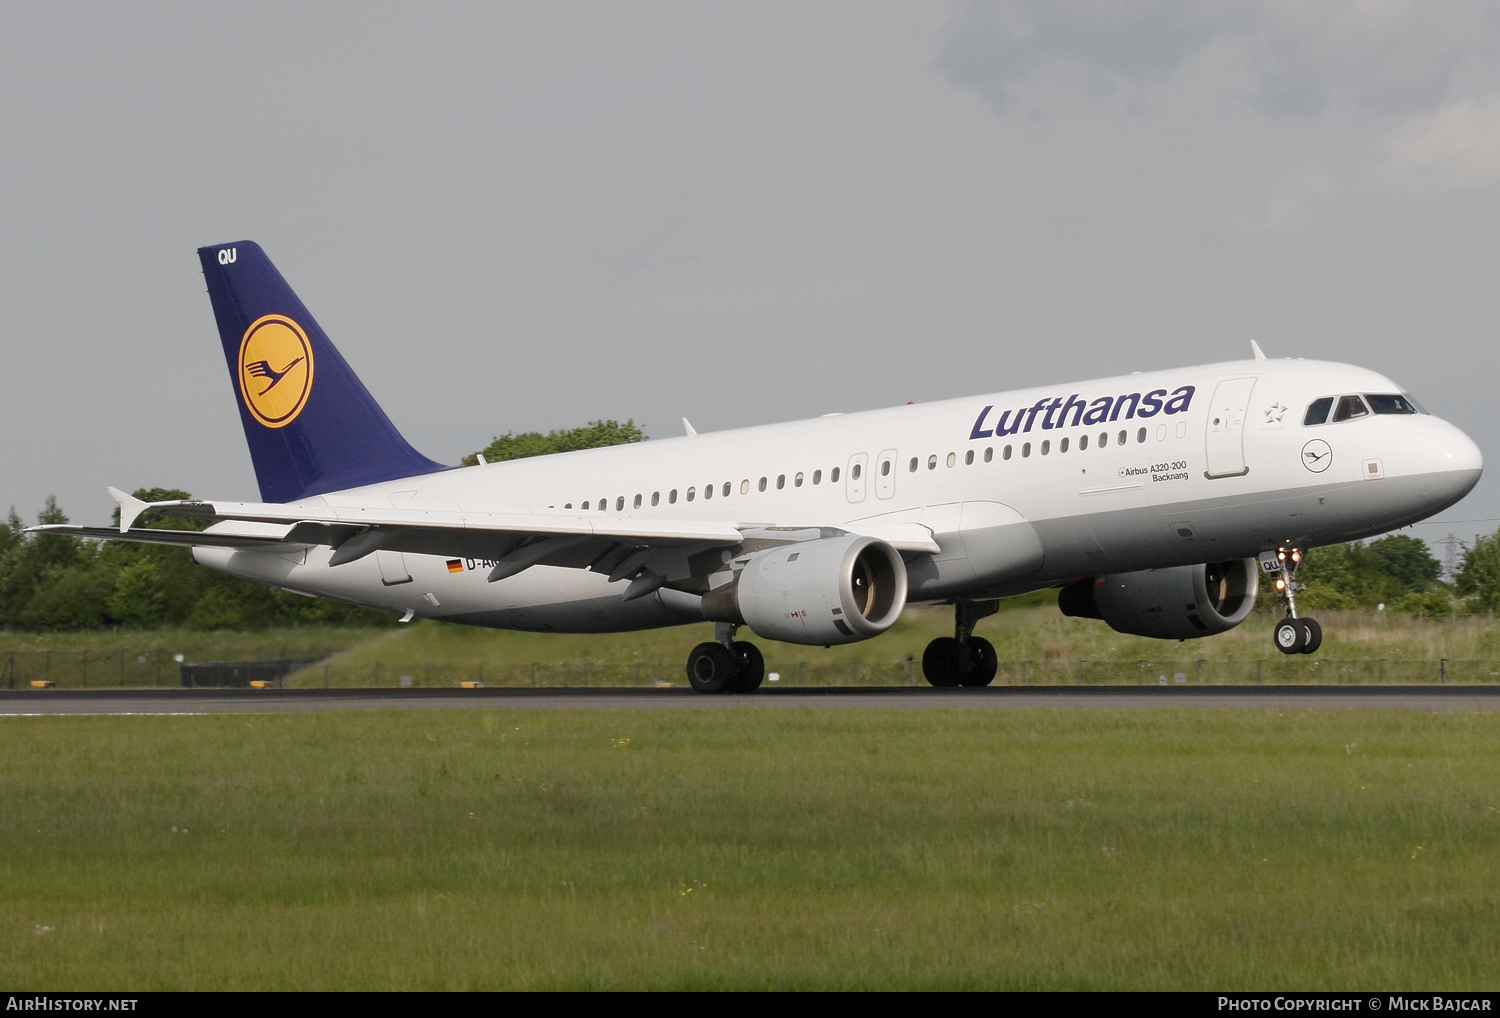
1274,412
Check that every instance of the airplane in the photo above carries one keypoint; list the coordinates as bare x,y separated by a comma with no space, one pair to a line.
1154,501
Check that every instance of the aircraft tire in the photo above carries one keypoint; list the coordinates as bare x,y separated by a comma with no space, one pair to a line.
1312,634
751,670
945,662
711,668
1290,636
983,663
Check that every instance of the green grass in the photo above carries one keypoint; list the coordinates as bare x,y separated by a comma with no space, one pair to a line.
1056,650
747,847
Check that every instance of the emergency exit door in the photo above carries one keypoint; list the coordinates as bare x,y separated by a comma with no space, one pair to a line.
1226,428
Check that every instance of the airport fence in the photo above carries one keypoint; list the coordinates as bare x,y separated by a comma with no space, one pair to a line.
1165,672
162,668
128,669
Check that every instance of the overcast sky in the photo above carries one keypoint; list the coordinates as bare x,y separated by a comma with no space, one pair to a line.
527,216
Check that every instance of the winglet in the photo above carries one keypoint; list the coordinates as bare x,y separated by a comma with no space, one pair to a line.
691,433
1255,348
130,508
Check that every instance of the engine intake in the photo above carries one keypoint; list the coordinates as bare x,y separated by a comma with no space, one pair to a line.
832,590
1181,603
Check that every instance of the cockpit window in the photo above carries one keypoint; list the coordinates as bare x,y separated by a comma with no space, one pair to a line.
1349,408
1317,411
1390,404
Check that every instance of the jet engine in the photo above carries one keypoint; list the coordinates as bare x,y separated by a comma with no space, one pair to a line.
831,590
1180,603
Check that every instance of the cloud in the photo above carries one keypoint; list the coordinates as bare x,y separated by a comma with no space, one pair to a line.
1281,57
1456,148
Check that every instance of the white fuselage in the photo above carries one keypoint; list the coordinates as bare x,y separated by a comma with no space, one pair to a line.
1105,484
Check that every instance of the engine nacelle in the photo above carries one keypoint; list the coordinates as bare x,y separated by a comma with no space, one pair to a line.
1180,603
832,590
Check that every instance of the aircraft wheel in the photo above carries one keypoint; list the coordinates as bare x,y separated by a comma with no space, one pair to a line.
1290,636
711,668
751,670
983,663
945,662
1312,635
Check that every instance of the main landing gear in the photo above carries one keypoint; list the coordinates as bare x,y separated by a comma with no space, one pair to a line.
1294,634
962,659
726,665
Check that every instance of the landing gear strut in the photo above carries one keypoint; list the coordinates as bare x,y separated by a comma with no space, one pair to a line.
726,665
962,659
1294,634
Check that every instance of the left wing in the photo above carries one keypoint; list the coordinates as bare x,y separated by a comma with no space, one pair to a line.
650,552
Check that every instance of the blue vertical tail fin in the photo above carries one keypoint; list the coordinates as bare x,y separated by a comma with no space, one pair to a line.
311,424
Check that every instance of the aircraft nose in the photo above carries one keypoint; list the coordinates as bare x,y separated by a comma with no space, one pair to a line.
1447,462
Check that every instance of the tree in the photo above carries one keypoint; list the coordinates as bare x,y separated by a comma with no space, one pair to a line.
1478,576
140,597
1355,574
594,435
1407,561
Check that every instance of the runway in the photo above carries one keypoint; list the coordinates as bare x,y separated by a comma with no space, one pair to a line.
274,701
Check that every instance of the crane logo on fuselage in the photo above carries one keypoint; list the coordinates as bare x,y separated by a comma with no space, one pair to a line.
276,370
1054,411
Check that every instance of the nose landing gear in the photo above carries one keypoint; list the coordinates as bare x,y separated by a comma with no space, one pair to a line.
1294,634
962,659
727,665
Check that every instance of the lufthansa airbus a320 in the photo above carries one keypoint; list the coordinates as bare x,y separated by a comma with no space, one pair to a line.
1156,501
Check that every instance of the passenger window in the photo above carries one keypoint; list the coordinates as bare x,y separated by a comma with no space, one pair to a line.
952,459
1046,446
672,497
726,488
1120,438
781,480
603,504
762,486
1103,439
1006,454
1062,446
656,498
833,476
690,493
568,505
797,481
969,458
1390,404
885,468
817,477
637,502
1317,412
745,486
1025,450
1140,436
708,491
855,471
1349,408
584,506
989,453
912,466
620,504
932,463
1083,442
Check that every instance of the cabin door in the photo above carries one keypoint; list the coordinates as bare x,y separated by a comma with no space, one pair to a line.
1226,428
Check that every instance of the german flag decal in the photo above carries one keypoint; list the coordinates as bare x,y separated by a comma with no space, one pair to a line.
455,565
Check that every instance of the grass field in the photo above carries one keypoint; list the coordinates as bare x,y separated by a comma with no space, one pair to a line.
1366,647
752,848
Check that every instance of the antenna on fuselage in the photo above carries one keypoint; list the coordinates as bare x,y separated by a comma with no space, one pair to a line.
1260,354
